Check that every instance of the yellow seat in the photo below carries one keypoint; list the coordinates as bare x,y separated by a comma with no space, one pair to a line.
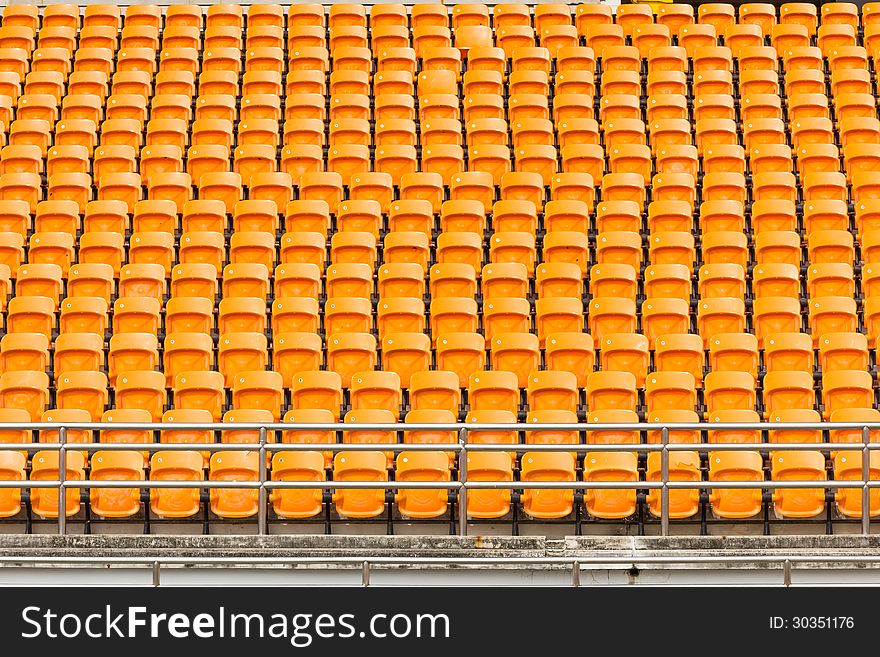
735,466
360,466
548,466
45,465
610,503
798,466
297,466
488,466
175,466
422,466
848,466
234,466
12,468
116,502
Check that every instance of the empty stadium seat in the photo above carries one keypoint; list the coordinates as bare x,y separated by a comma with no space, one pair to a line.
219,213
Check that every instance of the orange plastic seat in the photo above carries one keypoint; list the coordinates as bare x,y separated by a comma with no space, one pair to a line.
401,279
175,466
735,466
45,466
726,280
258,390
422,466
625,352
234,466
542,436
435,391
787,391
12,468
136,314
82,390
713,82
141,389
775,315
608,390
83,315
297,466
551,390
610,466
613,280
734,435
680,353
359,466
460,352
664,316
667,391
64,416
799,466
610,315
843,351
776,280
846,389
720,315
493,390
729,391
831,315
400,316
116,465
848,466
548,466
27,314
782,247
186,352
200,390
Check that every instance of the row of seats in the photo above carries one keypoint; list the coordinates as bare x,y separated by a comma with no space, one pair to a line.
620,209
721,17
368,398
516,212
514,361
718,15
427,466
565,272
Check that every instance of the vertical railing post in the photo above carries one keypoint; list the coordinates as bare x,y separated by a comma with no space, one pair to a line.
462,477
62,472
664,476
866,475
261,494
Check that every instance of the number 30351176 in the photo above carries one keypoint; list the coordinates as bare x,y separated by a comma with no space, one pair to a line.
814,623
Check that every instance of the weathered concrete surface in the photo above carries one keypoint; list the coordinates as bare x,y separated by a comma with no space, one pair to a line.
279,546
601,561
293,546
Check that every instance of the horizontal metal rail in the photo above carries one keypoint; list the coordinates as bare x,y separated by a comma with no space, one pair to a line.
451,485
451,426
232,561
237,485
460,444
246,3
368,3
437,447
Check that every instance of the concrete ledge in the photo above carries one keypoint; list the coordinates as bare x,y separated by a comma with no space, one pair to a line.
294,546
279,546
128,560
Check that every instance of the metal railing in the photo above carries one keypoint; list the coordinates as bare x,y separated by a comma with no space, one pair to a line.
264,484
283,3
